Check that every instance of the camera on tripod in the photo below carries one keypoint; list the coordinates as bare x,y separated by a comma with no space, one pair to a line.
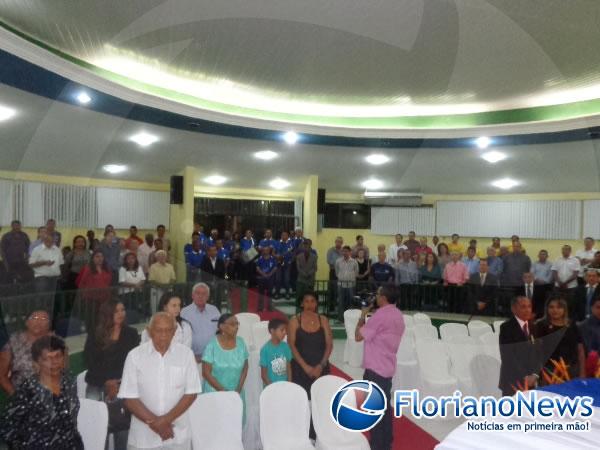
365,298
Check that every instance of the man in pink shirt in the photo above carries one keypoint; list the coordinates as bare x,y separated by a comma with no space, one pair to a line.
382,337
455,276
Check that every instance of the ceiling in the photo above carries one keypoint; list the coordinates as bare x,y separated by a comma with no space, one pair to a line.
54,137
374,64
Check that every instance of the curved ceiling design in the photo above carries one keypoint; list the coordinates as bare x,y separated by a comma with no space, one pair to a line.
409,68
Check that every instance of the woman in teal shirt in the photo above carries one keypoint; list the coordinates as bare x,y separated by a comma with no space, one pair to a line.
225,359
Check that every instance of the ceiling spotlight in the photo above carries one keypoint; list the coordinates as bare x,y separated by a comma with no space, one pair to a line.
354,213
6,113
377,159
215,180
483,142
266,155
505,183
279,183
144,139
83,98
291,137
114,168
493,156
372,183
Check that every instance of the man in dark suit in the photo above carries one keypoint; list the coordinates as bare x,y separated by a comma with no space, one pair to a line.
482,288
585,294
213,272
537,294
520,360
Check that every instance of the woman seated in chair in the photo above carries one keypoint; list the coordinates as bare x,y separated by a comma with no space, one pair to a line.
43,411
225,359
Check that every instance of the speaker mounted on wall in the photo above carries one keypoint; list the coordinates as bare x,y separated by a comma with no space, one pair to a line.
176,190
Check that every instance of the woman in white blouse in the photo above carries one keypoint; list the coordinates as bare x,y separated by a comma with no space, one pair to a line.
171,304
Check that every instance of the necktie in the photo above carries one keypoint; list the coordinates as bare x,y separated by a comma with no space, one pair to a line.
525,329
482,279
528,293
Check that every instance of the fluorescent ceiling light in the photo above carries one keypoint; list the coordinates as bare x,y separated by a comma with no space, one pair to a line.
483,142
291,137
372,183
505,183
144,139
493,156
279,183
266,155
377,159
6,113
215,180
83,98
114,168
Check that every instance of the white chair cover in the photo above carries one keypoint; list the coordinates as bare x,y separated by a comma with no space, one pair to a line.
453,329
485,373
497,324
407,367
490,344
421,318
478,327
81,384
425,331
216,419
284,417
409,321
329,435
353,351
260,334
247,321
252,388
434,365
462,350
92,423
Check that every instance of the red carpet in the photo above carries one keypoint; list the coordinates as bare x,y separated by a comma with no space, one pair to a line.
236,305
407,435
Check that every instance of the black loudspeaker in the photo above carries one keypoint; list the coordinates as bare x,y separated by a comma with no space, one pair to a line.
176,190
321,201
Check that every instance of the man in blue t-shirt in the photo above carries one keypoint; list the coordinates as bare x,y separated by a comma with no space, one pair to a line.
285,256
268,241
276,355
382,272
193,261
266,267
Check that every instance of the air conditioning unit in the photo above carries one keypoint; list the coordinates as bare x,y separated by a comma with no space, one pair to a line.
376,198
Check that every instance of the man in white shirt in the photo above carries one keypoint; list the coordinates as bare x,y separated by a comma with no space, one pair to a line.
203,318
45,260
565,271
144,251
586,255
392,255
160,382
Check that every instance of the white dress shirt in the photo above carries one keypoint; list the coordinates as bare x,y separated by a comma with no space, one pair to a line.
528,289
565,267
43,253
585,254
159,382
392,256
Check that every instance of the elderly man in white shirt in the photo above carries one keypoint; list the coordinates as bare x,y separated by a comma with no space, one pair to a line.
160,382
565,271
586,255
392,255
45,260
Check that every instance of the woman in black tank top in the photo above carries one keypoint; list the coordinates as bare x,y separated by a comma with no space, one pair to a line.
311,342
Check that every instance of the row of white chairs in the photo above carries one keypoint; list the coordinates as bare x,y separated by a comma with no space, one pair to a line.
285,414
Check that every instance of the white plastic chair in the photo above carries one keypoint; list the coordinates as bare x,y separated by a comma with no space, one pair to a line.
81,384
490,344
216,419
407,367
260,334
434,366
329,435
478,328
485,373
247,321
92,423
421,318
453,329
284,417
353,351
497,324
425,331
461,351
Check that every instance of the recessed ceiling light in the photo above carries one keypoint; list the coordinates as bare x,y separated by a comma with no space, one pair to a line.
215,180
279,183
83,98
144,139
505,183
377,159
493,156
6,113
114,168
354,212
291,137
266,155
483,142
372,183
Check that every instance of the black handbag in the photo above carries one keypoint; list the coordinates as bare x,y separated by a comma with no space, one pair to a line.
119,418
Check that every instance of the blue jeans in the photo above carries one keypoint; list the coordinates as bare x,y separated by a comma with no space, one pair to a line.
345,297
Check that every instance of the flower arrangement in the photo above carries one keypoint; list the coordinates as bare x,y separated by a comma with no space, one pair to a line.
592,365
